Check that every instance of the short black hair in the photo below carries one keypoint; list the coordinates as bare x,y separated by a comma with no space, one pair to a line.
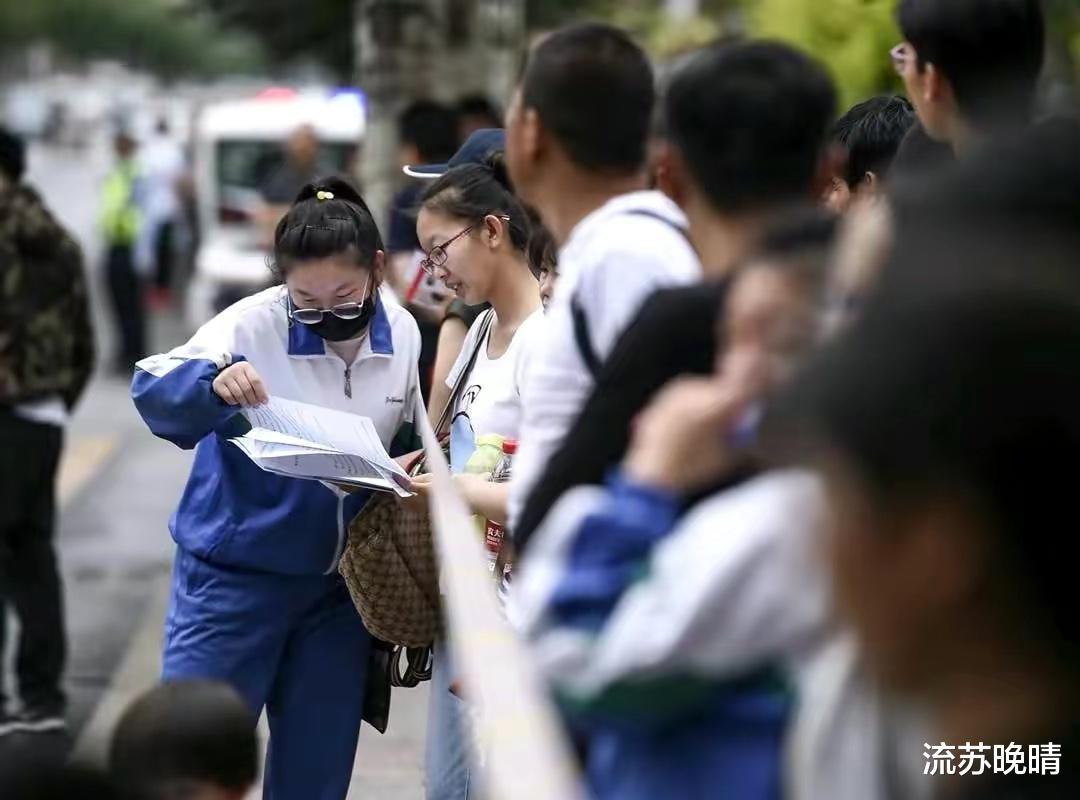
991,51
317,228
12,155
432,128
592,88
870,133
472,191
750,120
191,731
478,105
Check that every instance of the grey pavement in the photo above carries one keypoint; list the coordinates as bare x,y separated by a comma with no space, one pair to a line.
118,487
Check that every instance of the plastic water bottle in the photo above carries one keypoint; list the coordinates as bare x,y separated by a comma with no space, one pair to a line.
486,456
493,531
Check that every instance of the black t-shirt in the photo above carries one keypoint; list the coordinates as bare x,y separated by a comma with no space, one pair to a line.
674,334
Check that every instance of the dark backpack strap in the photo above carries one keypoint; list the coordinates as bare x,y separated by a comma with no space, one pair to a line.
644,212
582,338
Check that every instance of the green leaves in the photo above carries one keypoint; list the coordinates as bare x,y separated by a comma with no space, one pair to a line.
165,37
851,37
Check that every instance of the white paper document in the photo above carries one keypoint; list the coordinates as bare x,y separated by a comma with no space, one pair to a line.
305,441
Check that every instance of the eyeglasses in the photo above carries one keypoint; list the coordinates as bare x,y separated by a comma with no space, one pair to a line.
436,256
901,55
313,316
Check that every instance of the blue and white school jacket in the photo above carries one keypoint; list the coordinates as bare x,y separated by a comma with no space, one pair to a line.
233,513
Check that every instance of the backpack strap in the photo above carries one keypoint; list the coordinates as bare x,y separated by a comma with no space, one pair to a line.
580,319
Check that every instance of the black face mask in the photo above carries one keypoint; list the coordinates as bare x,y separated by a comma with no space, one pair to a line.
336,329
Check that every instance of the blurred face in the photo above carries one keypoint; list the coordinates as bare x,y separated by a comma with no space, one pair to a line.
770,320
408,155
903,577
472,258
124,147
547,277
303,146
838,196
328,282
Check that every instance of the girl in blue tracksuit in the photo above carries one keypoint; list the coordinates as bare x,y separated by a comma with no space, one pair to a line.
256,599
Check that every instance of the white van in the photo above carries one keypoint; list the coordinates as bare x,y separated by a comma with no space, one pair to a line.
236,146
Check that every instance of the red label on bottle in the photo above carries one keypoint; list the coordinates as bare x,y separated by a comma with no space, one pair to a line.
493,537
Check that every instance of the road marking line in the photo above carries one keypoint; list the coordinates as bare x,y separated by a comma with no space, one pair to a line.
82,459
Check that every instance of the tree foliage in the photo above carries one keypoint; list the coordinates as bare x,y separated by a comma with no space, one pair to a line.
851,38
158,35
315,30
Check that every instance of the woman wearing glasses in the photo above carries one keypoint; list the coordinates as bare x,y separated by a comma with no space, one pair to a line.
256,598
476,233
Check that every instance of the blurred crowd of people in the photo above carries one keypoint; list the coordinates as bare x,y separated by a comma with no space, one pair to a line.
792,433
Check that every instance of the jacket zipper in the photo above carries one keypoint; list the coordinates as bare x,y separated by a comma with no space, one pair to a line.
348,382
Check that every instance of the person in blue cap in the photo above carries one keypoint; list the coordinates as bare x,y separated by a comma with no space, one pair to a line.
256,598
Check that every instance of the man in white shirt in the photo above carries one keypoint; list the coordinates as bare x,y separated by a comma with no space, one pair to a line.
577,133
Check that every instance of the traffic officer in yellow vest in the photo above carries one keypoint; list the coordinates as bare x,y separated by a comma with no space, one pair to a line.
120,222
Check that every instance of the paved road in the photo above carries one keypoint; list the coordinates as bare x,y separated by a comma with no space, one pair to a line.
118,485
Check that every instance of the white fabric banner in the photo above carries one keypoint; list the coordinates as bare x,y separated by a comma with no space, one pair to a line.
525,756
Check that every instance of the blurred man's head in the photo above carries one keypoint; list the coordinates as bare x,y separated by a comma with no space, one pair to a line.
970,66
302,148
870,133
124,145
427,133
190,739
12,157
476,112
582,110
746,128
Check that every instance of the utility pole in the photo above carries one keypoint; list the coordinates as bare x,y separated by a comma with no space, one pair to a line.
437,49
392,37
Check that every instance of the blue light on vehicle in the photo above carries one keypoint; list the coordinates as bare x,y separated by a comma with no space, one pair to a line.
349,94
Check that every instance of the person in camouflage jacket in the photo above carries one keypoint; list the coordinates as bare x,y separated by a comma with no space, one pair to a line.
46,341
46,357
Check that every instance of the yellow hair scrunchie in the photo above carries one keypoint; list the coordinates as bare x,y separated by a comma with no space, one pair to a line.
321,195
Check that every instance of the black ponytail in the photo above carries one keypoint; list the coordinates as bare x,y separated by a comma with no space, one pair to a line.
328,218
472,191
